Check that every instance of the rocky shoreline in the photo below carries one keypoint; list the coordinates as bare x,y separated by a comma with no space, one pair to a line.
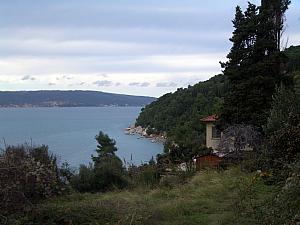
142,132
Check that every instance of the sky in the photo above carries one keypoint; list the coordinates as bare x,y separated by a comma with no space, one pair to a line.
138,47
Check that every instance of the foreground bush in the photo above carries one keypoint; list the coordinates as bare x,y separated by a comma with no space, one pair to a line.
285,206
98,178
27,175
146,175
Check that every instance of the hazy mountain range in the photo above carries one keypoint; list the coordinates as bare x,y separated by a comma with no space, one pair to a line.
69,99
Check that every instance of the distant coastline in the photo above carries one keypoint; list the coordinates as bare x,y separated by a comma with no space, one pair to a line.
31,99
66,106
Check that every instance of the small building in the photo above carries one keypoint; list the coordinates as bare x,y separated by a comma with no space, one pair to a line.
208,161
213,135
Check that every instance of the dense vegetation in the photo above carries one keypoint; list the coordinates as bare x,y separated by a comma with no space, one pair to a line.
69,99
293,54
186,105
263,188
255,63
105,173
209,198
27,175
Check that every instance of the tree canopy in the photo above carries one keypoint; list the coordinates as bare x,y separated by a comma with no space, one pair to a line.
255,63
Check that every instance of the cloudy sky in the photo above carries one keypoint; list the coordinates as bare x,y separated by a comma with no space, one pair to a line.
141,47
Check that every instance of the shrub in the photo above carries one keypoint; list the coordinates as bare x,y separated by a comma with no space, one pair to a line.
27,175
107,171
146,175
109,174
84,181
285,207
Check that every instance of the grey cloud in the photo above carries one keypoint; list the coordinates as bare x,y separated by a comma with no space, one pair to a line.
140,84
27,77
103,75
117,84
166,84
103,83
51,84
81,14
65,77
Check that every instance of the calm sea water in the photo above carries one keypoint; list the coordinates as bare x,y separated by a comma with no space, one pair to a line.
70,132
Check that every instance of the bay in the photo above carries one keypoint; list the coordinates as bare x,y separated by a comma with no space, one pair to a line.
70,132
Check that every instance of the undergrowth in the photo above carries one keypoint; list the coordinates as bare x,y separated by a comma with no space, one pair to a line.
210,197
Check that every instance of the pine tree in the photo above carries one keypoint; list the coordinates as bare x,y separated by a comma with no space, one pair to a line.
106,149
237,67
108,170
255,63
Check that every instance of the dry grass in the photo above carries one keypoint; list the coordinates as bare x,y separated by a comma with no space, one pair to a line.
210,197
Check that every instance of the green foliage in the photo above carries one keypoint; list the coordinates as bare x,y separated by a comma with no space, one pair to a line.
284,145
106,148
184,146
209,198
84,181
254,63
293,54
110,174
106,173
185,106
179,115
146,175
297,85
284,103
27,175
282,141
280,206
284,208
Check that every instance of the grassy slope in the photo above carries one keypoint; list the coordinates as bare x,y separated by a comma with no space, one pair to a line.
209,198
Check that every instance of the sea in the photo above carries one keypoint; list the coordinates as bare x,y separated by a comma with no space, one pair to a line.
70,132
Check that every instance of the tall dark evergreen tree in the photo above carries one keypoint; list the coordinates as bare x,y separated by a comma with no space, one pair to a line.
255,63
237,67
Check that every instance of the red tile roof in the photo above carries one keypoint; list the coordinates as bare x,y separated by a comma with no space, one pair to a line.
211,118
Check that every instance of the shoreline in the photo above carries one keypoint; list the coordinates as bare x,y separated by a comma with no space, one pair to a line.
142,132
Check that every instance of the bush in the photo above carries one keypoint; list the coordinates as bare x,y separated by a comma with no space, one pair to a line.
84,181
110,174
146,175
27,175
280,206
102,177
285,207
106,173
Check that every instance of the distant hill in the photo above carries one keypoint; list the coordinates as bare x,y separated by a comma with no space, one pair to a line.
69,99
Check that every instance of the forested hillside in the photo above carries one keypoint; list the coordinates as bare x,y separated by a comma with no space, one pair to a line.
179,113
184,107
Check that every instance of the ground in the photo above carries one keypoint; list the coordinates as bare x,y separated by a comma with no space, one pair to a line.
209,198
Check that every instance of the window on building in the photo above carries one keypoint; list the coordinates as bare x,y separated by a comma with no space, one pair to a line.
216,133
